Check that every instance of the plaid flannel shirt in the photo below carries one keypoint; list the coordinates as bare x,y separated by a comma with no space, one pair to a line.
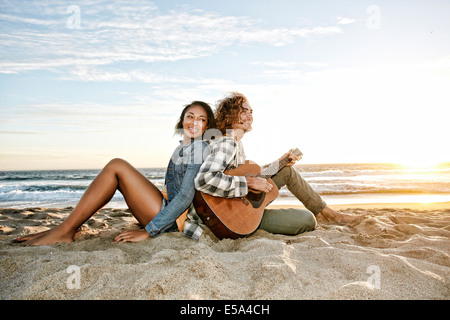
193,225
226,154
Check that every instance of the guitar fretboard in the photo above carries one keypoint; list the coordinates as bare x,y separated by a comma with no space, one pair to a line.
268,171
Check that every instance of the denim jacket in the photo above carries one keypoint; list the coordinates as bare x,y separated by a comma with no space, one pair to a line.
183,167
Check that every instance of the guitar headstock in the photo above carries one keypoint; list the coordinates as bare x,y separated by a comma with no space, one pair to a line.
297,153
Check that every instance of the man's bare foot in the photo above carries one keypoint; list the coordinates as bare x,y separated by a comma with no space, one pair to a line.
331,216
52,236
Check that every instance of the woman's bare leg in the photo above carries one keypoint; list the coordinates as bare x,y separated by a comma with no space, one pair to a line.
142,197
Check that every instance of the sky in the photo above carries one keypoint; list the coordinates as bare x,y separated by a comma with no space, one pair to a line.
82,82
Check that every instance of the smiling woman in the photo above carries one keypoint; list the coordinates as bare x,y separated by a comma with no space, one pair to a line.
193,117
155,210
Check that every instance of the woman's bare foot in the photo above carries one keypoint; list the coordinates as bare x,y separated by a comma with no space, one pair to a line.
30,236
331,216
55,235
34,235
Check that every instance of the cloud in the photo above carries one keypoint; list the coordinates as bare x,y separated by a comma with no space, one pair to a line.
36,37
316,64
344,21
286,69
19,132
31,21
275,63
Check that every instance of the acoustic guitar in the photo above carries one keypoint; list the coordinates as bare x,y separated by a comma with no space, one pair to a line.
239,217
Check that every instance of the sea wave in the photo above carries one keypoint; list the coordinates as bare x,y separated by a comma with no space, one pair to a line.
62,187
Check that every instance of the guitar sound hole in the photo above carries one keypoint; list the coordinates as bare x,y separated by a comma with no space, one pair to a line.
256,198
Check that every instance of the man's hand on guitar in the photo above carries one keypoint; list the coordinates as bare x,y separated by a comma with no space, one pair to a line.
292,157
259,184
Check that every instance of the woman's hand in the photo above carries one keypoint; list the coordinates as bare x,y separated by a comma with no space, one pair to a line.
132,236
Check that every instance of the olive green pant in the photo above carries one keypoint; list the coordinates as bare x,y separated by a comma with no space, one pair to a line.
289,221
293,221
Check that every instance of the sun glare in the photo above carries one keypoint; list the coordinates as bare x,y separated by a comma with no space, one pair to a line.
420,164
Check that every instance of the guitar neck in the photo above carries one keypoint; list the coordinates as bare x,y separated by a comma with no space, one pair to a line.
272,169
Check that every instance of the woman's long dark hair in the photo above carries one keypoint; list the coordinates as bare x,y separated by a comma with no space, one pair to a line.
211,122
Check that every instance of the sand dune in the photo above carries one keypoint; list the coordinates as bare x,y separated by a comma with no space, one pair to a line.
395,253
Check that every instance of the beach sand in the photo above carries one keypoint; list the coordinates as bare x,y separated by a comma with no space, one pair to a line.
399,251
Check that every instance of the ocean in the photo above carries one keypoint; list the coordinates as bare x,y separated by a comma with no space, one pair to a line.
337,183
